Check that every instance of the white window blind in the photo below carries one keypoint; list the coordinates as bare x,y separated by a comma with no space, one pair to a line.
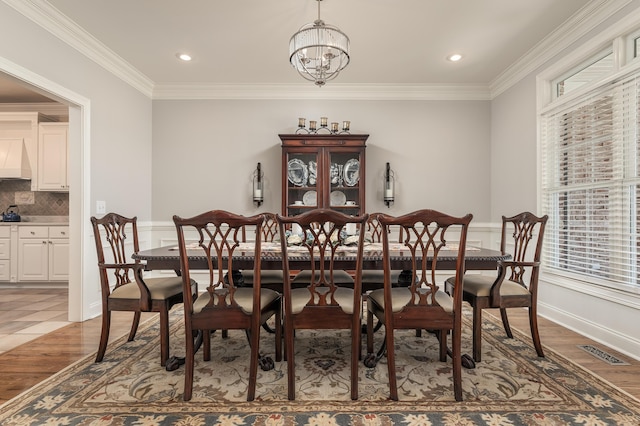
590,162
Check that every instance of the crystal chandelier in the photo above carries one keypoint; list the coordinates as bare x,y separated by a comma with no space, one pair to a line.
319,51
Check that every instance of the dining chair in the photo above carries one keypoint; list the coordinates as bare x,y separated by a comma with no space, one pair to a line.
373,279
269,278
516,283
216,237
427,236
324,303
122,283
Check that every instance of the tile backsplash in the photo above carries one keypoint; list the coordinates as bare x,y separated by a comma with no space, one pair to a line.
44,203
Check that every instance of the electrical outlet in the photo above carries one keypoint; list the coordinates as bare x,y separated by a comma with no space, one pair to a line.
101,207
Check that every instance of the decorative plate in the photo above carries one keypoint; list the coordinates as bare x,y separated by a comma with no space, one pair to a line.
298,172
337,198
352,172
334,172
313,172
310,198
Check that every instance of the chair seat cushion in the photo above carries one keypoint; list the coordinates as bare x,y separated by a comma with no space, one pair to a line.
266,277
339,277
480,286
301,296
401,296
160,288
243,297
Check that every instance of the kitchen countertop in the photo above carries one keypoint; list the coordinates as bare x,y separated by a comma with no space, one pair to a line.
39,220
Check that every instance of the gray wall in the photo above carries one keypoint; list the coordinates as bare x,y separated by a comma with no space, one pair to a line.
204,152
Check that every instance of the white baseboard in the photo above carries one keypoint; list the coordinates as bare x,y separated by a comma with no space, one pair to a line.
612,338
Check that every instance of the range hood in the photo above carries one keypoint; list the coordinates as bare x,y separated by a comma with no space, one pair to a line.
14,163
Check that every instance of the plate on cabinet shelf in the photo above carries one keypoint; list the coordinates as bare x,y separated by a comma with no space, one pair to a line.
310,198
298,172
337,198
313,172
351,172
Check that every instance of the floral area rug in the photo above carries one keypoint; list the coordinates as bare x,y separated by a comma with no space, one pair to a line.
511,386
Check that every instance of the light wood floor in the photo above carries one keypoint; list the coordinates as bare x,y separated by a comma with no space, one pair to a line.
26,365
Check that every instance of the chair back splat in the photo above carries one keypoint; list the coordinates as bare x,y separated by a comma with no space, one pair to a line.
428,236
327,301
216,240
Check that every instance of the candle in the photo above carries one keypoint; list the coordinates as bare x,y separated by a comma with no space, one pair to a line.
323,121
388,193
345,125
312,125
257,193
301,122
334,127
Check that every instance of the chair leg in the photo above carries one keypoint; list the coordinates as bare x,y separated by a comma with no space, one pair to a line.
134,326
442,339
535,335
369,331
355,358
104,335
456,356
206,347
291,370
505,322
189,362
391,364
477,333
278,334
254,342
164,336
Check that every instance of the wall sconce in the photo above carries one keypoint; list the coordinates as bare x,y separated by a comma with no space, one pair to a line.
258,185
388,192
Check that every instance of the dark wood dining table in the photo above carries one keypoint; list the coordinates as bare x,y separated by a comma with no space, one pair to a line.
168,258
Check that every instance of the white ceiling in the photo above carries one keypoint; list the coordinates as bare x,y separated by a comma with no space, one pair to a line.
246,41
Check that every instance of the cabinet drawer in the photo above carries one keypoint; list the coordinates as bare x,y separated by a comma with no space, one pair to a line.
5,231
5,248
58,232
5,270
33,232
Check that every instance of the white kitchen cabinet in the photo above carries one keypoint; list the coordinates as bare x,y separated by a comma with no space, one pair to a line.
5,253
52,157
43,253
25,126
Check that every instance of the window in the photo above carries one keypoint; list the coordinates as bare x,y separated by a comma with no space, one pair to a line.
591,70
591,185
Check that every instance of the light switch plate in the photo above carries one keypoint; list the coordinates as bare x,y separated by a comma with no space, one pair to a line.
101,207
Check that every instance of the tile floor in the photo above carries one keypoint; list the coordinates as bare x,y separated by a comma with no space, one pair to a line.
28,313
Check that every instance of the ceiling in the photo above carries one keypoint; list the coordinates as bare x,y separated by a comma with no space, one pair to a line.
393,42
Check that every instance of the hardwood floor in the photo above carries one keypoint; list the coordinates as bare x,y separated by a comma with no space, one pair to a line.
26,365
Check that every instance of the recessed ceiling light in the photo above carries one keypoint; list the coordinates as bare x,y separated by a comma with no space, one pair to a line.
184,57
455,57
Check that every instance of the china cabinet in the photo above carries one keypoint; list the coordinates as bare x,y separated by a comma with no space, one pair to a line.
323,171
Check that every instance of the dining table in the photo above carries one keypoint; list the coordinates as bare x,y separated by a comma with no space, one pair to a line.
168,258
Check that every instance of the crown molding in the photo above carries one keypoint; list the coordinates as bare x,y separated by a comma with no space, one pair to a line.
48,17
45,15
335,91
585,20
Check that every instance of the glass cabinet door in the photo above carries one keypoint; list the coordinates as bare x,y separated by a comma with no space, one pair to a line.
303,181
344,181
